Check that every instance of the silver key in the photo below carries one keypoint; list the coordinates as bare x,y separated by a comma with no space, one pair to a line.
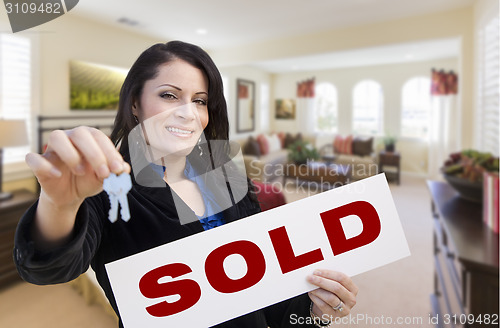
117,187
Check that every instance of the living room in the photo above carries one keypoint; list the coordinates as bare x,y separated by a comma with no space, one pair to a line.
390,50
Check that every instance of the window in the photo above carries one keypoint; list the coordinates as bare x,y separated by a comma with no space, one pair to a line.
15,87
416,101
326,108
487,127
367,108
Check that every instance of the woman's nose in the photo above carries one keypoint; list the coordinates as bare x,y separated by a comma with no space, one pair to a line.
186,111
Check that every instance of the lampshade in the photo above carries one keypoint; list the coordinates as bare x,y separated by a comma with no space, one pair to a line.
13,133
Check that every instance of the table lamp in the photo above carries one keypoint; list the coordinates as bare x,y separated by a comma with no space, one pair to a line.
12,134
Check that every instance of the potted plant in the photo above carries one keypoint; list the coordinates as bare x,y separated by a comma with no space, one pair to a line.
301,151
390,143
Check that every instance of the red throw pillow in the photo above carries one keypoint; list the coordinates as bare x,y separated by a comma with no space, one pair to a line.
337,144
343,145
263,144
281,135
348,145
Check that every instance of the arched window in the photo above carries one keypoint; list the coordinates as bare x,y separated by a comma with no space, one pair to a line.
415,109
367,114
326,119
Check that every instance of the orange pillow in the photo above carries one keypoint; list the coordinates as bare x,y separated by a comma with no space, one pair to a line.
343,145
263,144
281,135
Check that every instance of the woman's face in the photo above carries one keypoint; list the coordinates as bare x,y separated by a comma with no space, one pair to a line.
173,108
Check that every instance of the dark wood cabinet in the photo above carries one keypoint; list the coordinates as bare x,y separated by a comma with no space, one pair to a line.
466,257
391,159
11,211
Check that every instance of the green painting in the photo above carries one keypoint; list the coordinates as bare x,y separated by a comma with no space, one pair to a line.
94,86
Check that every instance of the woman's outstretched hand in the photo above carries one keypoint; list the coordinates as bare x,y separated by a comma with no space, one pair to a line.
336,295
72,168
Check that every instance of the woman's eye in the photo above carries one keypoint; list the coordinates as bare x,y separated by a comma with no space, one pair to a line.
168,95
202,102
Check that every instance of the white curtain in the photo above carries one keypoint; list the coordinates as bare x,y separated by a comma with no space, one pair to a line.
305,115
444,132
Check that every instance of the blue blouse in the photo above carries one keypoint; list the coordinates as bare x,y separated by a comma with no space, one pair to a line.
208,222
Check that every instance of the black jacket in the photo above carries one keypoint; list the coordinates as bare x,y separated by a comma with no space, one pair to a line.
154,222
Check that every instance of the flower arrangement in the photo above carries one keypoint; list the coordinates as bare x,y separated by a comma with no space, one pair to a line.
301,151
470,164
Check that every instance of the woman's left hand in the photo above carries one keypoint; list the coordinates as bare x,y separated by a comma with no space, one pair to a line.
336,295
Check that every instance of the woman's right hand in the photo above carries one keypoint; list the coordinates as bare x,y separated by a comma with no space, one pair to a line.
72,168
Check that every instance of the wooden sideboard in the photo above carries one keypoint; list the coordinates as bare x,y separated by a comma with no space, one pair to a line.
11,211
466,257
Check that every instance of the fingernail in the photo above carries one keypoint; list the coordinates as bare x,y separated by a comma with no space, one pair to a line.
317,272
55,172
103,171
116,166
313,279
80,169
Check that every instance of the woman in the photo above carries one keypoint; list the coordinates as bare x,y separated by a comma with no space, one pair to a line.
174,93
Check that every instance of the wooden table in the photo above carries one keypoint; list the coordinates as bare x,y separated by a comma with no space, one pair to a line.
391,159
466,257
327,176
11,211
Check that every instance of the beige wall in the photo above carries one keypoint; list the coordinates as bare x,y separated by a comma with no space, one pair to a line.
452,24
56,43
72,38
261,78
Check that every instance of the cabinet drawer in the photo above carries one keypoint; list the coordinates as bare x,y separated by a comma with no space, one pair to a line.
7,262
7,239
448,287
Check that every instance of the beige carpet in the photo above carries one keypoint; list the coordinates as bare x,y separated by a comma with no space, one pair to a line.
399,291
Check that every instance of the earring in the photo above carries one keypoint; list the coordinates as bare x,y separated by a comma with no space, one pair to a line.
199,147
136,119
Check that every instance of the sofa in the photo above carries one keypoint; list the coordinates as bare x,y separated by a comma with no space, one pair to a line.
266,154
265,163
355,151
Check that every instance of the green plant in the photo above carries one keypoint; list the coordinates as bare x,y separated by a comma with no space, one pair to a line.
389,140
470,164
301,151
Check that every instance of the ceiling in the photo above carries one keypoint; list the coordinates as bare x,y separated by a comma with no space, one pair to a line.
219,24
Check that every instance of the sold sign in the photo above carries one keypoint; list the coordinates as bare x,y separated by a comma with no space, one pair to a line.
261,260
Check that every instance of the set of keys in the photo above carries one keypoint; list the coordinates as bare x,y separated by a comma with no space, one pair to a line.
117,188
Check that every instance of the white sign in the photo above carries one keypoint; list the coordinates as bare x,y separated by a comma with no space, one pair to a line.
260,260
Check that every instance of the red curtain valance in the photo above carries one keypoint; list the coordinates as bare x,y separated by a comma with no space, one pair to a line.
305,89
444,83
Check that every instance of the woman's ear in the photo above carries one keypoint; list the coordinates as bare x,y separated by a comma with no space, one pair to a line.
134,108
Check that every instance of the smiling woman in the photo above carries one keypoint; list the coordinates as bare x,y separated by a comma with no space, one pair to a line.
171,133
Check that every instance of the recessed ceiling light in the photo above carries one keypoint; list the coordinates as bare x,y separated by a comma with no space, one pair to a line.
127,21
201,31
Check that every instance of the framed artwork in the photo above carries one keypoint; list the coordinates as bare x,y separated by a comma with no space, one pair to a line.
285,109
94,86
245,106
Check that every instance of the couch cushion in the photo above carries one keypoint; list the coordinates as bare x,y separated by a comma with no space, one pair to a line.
343,145
289,139
252,147
277,157
263,144
362,146
274,142
281,135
